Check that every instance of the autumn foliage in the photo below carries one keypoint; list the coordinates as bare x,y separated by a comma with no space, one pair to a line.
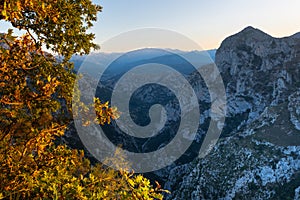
35,108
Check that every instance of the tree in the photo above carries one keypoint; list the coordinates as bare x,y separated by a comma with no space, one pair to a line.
35,98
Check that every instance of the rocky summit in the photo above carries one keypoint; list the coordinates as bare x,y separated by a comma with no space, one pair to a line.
258,155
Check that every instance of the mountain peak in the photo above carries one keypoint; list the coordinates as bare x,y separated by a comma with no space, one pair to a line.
251,32
246,36
249,28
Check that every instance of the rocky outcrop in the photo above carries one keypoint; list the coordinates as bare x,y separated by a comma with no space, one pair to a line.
258,156
258,71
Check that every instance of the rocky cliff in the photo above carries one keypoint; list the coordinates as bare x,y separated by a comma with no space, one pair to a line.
258,156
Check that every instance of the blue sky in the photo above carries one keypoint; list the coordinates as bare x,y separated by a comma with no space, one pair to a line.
205,22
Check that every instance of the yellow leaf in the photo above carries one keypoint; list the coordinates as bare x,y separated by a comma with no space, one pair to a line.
54,19
131,182
105,192
19,5
4,13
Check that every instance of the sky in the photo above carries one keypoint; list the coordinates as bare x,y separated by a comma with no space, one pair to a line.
206,22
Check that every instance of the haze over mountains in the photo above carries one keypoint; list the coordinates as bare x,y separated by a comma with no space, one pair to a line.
258,155
95,62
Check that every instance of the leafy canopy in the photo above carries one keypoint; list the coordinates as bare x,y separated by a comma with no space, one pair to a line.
35,98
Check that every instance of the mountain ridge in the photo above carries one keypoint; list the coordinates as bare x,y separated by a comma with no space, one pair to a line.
258,156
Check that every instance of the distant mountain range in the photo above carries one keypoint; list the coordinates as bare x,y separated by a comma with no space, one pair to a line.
258,155
96,62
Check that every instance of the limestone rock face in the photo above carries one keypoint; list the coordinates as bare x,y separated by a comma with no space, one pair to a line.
258,156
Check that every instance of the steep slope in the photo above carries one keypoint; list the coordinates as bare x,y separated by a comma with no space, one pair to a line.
258,156
258,71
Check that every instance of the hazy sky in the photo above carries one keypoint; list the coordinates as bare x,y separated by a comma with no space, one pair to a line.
205,22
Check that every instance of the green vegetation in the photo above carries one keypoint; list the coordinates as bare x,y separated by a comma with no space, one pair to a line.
35,98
